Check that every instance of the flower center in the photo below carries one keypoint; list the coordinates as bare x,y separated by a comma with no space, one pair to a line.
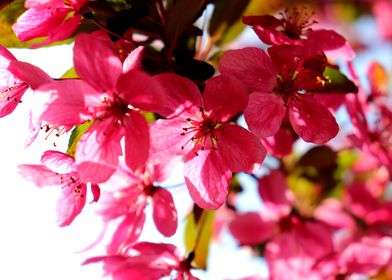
296,22
112,107
202,132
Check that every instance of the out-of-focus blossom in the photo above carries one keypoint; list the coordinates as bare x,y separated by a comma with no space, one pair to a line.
295,247
54,19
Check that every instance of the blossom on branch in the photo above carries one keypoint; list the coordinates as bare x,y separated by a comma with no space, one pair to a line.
282,85
59,169
109,95
54,19
198,127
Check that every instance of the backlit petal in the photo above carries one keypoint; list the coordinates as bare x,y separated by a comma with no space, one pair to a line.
181,96
137,140
96,62
264,114
312,121
140,90
224,96
58,162
207,178
98,151
164,212
239,148
250,65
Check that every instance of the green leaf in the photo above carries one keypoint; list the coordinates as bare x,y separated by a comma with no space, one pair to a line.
77,132
225,14
8,17
198,236
339,83
70,74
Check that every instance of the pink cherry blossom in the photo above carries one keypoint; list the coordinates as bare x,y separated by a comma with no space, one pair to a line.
198,128
281,85
16,78
129,203
294,244
382,10
293,27
365,254
54,19
147,261
59,170
111,95
363,243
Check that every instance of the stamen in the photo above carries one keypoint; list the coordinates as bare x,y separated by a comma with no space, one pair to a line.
296,22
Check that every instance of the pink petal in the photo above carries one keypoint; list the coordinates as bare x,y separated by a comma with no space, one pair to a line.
332,212
332,44
182,97
118,203
58,162
33,126
134,60
128,231
164,212
311,120
359,200
71,203
40,175
369,255
286,259
164,170
122,267
264,114
268,29
251,229
223,97
63,102
315,239
30,74
137,140
140,90
96,62
250,65
36,22
167,141
275,193
239,148
5,57
281,143
332,100
10,98
62,31
96,191
98,151
44,4
158,250
207,178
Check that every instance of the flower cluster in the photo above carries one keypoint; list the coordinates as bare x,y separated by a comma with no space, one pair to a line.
148,96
